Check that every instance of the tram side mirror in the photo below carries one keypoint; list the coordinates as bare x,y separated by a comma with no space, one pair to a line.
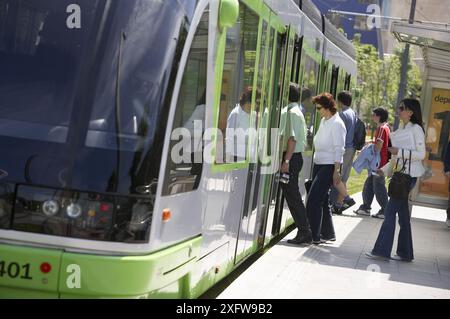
228,13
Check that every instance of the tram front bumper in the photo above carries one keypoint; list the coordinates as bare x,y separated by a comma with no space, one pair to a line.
27,272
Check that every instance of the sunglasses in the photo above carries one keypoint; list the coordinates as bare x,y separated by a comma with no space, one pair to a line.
318,108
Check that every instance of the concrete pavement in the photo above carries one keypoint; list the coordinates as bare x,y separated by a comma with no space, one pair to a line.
340,269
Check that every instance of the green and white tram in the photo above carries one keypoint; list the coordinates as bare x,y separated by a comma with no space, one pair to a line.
92,202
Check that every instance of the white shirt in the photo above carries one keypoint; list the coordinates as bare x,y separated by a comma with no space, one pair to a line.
417,154
329,142
239,120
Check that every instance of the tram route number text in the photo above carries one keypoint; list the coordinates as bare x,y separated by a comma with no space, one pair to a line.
15,270
226,309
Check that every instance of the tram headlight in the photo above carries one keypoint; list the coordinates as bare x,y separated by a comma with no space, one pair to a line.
50,208
74,210
81,215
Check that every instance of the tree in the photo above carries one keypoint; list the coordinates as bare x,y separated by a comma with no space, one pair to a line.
378,79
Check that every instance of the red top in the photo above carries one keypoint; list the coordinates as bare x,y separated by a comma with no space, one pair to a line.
382,133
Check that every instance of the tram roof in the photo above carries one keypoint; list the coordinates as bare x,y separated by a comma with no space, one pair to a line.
303,14
434,39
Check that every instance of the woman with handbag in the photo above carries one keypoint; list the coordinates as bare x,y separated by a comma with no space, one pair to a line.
329,144
408,168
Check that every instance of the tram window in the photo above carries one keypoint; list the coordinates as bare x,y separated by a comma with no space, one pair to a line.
347,82
268,100
237,93
334,80
184,160
261,97
276,91
309,85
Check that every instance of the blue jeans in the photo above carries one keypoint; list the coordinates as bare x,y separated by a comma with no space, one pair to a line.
375,186
385,240
317,207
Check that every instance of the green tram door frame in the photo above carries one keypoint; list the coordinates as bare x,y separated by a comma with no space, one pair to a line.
250,207
268,164
288,45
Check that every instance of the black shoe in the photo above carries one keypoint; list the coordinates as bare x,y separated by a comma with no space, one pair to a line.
348,203
376,257
337,210
318,242
301,239
398,258
379,215
327,238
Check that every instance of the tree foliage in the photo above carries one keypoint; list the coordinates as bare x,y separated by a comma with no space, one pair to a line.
379,79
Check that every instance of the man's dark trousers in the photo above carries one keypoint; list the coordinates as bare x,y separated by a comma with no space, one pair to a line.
292,194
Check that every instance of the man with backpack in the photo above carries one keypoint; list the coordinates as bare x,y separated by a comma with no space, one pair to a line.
352,142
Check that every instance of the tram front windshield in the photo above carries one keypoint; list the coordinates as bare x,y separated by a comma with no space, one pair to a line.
84,91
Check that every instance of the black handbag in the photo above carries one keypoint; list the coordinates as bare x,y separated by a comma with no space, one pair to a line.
400,183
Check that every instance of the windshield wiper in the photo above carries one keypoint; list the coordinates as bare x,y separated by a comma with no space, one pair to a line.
114,179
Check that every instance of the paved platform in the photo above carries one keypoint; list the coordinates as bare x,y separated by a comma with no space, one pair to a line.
340,269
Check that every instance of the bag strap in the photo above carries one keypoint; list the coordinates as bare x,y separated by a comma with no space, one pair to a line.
404,162
410,152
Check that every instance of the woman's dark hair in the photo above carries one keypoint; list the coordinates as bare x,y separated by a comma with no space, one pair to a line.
382,113
327,101
414,106
345,97
294,92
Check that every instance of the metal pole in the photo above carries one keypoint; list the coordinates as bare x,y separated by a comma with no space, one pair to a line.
404,76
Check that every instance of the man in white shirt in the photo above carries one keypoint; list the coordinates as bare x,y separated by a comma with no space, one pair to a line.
238,128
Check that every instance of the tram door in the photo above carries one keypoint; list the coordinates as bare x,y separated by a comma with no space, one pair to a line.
269,142
276,219
250,209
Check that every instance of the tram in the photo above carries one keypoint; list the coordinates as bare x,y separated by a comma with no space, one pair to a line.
92,202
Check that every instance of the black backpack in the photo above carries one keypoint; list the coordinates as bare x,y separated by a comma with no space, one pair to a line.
359,139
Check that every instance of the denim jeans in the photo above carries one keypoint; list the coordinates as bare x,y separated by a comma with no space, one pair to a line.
375,186
292,194
317,206
385,240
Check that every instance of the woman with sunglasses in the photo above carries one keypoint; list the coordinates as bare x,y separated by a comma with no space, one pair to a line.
411,116
329,145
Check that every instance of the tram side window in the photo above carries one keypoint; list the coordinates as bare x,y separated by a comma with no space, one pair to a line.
334,80
347,82
185,160
237,93
267,101
309,87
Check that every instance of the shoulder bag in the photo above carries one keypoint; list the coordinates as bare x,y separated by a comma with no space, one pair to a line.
400,183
